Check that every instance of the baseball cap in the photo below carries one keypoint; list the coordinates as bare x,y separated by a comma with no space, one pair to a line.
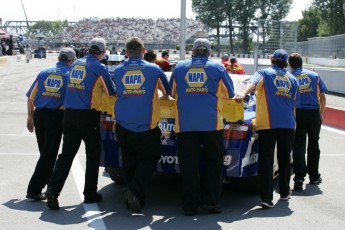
225,56
202,42
281,55
233,59
67,54
97,44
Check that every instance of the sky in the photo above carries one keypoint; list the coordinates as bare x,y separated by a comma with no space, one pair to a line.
74,10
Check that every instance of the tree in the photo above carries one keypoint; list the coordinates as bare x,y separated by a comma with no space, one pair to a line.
333,18
210,13
273,9
230,14
245,14
309,24
48,28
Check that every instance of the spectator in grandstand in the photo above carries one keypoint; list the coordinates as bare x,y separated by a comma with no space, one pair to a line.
235,67
150,56
309,115
87,82
277,96
45,114
199,123
137,116
163,61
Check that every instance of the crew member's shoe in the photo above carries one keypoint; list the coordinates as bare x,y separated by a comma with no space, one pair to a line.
93,199
211,208
189,212
38,196
316,181
132,201
267,204
298,186
52,201
285,197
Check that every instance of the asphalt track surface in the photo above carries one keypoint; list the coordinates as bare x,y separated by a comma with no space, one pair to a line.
316,207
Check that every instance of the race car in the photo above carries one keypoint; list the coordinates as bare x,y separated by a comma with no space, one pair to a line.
113,61
240,139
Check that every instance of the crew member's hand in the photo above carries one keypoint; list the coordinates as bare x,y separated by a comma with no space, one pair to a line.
166,97
322,116
30,124
239,97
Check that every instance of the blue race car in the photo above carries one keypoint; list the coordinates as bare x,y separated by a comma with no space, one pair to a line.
240,139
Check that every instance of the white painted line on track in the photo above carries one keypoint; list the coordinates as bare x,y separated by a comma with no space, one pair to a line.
26,134
332,155
4,78
19,154
13,103
93,214
333,130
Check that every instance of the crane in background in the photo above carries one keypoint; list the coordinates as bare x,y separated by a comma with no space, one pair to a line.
26,18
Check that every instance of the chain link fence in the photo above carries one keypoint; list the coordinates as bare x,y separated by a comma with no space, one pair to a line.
323,47
273,35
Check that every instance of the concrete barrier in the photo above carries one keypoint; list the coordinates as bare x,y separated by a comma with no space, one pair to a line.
326,61
333,78
3,59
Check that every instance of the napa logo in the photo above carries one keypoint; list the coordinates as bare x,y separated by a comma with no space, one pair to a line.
77,74
53,83
196,77
282,83
303,81
133,79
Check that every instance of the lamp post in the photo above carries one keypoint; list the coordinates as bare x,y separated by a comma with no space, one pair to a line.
183,30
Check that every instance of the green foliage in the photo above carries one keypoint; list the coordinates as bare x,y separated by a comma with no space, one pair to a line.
210,12
244,12
48,28
309,24
273,9
333,18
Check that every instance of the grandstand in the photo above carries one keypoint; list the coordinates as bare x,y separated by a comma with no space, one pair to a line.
157,32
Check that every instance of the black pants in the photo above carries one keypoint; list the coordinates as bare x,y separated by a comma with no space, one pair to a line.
78,125
267,141
141,152
308,124
48,129
204,189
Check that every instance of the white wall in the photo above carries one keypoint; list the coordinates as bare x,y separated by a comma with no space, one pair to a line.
325,61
